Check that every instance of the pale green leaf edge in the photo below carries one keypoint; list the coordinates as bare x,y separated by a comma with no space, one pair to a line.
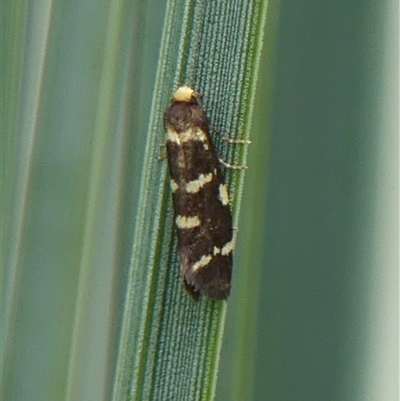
17,138
105,136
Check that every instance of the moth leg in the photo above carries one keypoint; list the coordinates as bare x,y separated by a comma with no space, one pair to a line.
231,166
239,141
231,140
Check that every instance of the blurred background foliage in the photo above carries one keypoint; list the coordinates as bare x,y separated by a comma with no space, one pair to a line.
314,307
323,183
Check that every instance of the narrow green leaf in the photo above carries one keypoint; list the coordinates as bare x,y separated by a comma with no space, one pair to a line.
170,346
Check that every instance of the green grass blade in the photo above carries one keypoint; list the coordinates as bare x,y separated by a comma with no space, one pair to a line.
170,346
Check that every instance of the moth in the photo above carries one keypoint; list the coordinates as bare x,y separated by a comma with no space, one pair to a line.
203,218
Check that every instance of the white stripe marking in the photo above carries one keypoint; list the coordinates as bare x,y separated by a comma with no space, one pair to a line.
194,186
204,261
228,247
174,185
173,136
195,134
184,222
223,194
191,134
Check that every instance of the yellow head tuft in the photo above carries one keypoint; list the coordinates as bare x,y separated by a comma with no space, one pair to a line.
184,94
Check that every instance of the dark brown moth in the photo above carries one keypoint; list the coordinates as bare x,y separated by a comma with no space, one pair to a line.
200,197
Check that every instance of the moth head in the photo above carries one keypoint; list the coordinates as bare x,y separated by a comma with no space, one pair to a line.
187,94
